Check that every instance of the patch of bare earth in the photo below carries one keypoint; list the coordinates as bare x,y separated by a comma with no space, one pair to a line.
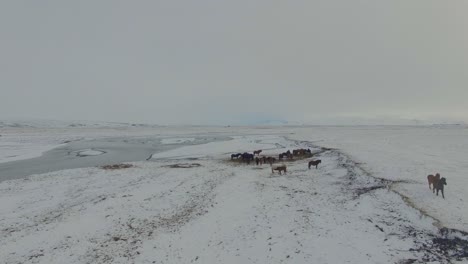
183,165
117,166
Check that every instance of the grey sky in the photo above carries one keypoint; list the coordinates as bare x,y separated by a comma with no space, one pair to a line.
208,62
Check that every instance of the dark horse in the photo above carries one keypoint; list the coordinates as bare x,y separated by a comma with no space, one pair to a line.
257,152
258,160
236,155
271,160
247,157
439,186
286,154
314,163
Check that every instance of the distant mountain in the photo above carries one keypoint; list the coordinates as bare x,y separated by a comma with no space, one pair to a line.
66,124
357,121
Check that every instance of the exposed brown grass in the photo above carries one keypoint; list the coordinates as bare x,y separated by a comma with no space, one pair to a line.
117,166
183,165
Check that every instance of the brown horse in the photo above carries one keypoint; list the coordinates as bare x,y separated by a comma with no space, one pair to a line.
314,163
299,152
257,152
270,160
279,169
431,179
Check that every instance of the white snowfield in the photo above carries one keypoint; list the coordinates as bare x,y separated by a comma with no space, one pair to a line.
214,210
176,140
409,154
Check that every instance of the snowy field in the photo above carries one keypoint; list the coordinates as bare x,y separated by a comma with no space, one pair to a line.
368,201
176,140
408,154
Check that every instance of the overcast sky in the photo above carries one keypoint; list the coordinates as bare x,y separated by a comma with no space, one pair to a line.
223,62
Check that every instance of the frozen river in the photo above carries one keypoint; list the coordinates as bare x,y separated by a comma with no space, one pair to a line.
97,152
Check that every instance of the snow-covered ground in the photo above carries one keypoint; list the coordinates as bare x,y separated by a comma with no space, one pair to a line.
176,140
408,154
214,210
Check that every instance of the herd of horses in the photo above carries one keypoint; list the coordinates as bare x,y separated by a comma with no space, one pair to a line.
435,180
255,156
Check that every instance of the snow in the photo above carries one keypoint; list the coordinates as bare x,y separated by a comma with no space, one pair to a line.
25,143
12,151
408,154
227,212
237,144
176,140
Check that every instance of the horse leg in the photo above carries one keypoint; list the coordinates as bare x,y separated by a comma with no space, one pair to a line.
442,191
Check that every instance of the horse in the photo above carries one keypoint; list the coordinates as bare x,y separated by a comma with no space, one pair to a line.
257,152
301,152
286,154
314,163
247,157
271,160
279,169
431,179
235,155
439,186
258,160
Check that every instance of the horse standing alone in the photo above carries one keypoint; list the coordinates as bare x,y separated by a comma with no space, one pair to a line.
279,169
314,163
